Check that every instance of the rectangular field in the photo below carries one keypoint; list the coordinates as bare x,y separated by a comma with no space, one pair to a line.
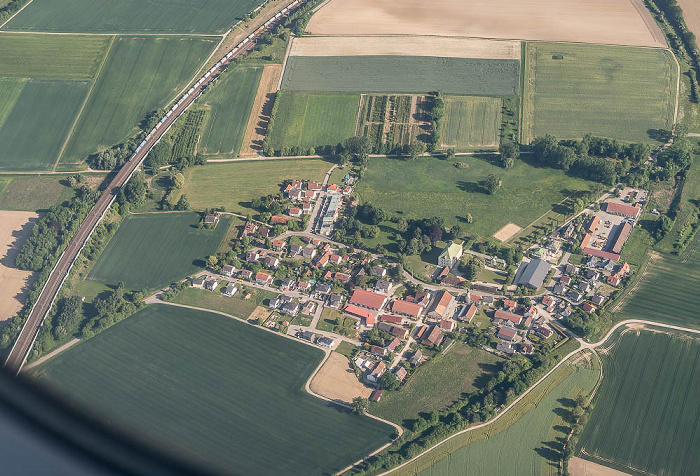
312,120
14,229
236,305
616,92
212,391
430,186
140,75
234,185
133,16
35,130
36,192
10,89
51,56
438,383
647,419
402,74
471,122
229,102
155,249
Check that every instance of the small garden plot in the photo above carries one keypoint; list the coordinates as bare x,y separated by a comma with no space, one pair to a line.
186,140
390,121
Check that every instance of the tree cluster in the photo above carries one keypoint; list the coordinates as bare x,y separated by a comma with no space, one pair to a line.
471,266
113,157
10,9
435,112
109,310
588,325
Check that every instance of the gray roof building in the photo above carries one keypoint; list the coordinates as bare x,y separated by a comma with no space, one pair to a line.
532,274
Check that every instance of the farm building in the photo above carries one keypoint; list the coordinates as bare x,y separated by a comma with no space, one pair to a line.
359,312
532,274
507,333
433,337
508,316
368,299
440,305
621,238
629,211
406,308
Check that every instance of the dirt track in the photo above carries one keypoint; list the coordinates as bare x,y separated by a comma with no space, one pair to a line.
617,22
260,113
14,229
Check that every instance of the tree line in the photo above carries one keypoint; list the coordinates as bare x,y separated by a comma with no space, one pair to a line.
10,9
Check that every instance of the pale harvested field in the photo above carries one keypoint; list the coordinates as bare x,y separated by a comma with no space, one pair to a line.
582,467
260,113
691,13
337,381
618,22
507,232
14,228
443,46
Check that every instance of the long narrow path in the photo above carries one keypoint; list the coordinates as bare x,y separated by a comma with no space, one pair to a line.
27,336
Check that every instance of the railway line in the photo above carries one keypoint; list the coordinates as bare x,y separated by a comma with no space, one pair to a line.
25,340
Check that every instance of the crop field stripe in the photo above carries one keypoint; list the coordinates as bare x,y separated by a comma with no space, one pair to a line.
402,74
140,74
31,141
10,90
471,121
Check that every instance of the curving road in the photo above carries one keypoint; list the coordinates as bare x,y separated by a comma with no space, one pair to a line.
27,336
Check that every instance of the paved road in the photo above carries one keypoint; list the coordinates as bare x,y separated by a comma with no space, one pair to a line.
24,342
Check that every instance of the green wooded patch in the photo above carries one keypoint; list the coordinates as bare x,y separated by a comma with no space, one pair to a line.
229,103
618,92
313,120
431,186
234,185
95,16
214,391
153,250
438,383
471,122
51,56
140,75
647,420
34,132
402,74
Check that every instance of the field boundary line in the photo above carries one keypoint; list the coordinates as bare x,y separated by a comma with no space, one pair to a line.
82,107
16,13
51,354
292,36
107,33
200,71
678,87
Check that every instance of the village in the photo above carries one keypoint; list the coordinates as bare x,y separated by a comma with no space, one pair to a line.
330,294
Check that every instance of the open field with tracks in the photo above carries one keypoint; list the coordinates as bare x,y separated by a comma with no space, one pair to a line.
153,250
229,105
213,391
140,75
524,442
312,120
433,186
132,16
14,229
234,185
617,92
592,21
402,74
471,122
646,420
462,370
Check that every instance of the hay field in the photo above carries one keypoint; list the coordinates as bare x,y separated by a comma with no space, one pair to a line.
591,21
691,14
262,105
443,46
652,379
213,391
617,92
14,228
471,122
337,380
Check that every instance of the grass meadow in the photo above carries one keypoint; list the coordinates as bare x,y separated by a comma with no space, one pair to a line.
236,305
234,185
526,441
438,383
140,75
471,122
312,120
649,391
431,186
34,192
402,74
229,103
132,16
617,92
213,391
10,89
153,250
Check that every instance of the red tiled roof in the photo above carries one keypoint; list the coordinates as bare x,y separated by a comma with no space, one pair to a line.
621,238
405,307
622,209
262,276
358,311
367,299
593,224
390,318
507,332
393,344
471,312
509,316
586,240
601,254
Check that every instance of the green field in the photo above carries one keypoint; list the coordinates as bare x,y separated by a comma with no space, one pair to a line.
51,56
402,74
471,122
235,305
96,16
34,132
34,192
229,103
10,89
213,391
140,75
617,92
647,418
153,250
526,441
438,383
234,185
432,186
312,120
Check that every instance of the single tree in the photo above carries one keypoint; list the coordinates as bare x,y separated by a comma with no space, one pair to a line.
360,405
493,183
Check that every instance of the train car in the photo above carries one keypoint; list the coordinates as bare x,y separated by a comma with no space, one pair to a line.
207,75
217,65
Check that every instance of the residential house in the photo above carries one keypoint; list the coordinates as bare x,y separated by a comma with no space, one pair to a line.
252,256
391,347
382,286
368,299
588,307
322,290
397,331
531,312
548,302
378,271
488,300
472,297
198,282
342,277
575,296
294,212
432,337
272,262
308,308
390,319
377,372
592,275
447,325
250,229
295,250
416,357
509,305
304,286
543,331
287,284
307,335
527,348
559,288
505,347
211,220
369,318
324,260
378,351
506,333
471,312
335,259
570,268
335,300
230,289
228,270
441,303
306,208
279,245
598,299
614,279
406,308
508,316
210,284
565,280
279,220
420,297
450,255
400,373
264,231
263,278
245,274
325,342
291,308
454,281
